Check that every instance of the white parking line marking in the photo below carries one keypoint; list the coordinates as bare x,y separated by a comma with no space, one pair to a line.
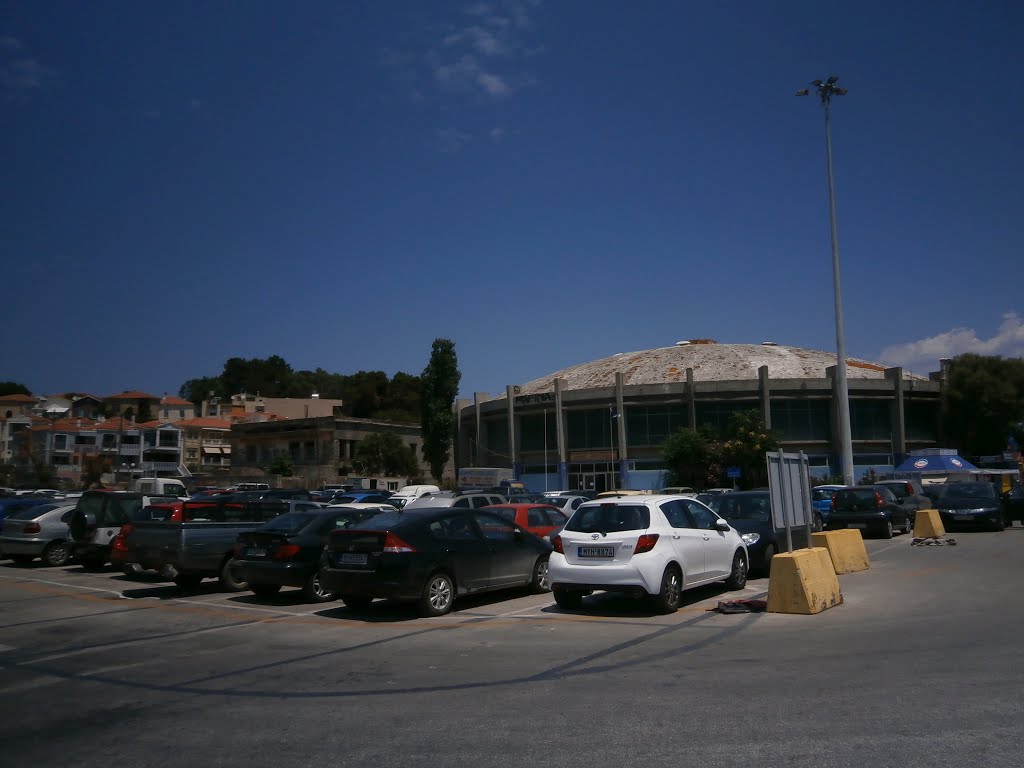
63,584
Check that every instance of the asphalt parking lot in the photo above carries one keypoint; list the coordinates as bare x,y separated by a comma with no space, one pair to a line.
921,665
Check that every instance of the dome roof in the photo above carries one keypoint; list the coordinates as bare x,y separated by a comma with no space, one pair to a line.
710,362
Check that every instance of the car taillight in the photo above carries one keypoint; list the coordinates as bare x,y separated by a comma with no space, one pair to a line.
286,551
832,502
879,501
394,544
645,543
557,544
32,528
118,544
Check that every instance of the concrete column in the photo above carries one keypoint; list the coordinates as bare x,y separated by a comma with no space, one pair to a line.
462,449
620,428
479,398
563,453
693,398
835,449
511,411
766,396
897,419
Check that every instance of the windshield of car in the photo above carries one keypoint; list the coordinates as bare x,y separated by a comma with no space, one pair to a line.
737,507
289,523
969,490
31,513
610,518
822,494
711,500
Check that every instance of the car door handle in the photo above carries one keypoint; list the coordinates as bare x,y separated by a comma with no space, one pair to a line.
676,536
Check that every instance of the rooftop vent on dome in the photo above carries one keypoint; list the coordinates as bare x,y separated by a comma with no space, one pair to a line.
769,344
682,343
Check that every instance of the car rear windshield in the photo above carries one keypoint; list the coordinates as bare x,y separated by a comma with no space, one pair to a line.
610,518
31,513
290,523
856,497
969,490
383,522
736,507
822,494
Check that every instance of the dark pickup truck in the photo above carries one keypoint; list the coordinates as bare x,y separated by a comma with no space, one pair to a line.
202,544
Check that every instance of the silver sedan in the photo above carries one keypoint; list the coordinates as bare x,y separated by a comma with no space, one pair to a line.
40,531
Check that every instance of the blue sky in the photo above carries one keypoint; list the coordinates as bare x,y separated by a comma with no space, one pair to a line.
545,183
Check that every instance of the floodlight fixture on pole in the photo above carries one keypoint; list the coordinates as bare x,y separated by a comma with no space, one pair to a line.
826,90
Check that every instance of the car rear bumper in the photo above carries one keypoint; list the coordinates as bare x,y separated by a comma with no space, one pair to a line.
405,584
12,546
610,578
858,520
285,574
953,518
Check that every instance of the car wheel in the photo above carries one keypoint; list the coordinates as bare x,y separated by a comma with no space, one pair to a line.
887,530
819,524
908,525
57,553
671,594
566,599
265,590
22,559
998,524
188,581
356,602
314,591
766,559
437,596
230,580
738,576
539,580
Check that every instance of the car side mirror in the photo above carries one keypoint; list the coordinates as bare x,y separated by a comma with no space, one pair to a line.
722,525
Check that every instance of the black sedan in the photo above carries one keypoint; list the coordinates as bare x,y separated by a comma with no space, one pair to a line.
285,552
871,508
971,504
432,556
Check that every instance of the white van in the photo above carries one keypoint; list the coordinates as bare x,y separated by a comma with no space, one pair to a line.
403,496
160,486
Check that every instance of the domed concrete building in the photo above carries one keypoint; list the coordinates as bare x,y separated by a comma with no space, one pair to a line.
601,424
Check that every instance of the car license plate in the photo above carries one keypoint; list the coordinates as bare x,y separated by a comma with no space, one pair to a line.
256,551
856,525
966,518
349,558
596,552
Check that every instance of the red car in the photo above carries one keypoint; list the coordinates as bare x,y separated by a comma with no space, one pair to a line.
538,519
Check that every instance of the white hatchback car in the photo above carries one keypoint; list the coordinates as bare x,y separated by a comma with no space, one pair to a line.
652,545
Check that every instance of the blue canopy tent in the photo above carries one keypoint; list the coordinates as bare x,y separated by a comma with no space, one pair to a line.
939,462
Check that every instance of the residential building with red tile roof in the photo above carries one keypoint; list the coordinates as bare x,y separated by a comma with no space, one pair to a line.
206,444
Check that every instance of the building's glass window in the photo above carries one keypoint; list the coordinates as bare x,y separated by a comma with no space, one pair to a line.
309,450
496,436
869,420
648,425
535,428
589,429
60,442
801,419
921,420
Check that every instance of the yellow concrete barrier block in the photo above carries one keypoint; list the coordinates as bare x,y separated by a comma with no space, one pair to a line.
846,548
928,524
803,582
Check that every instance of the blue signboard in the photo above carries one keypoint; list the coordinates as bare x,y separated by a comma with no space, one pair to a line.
732,472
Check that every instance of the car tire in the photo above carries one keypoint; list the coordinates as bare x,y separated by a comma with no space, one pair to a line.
539,580
22,559
437,596
887,530
229,579
999,525
567,599
670,597
908,525
313,590
356,602
738,575
189,581
766,559
56,554
818,525
265,590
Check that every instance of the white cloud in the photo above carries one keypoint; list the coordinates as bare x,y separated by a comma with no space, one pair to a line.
926,353
493,84
10,43
26,74
497,133
450,140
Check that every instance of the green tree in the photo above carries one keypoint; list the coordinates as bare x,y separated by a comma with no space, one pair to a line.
746,446
982,403
13,388
385,453
93,469
441,380
689,455
197,390
282,464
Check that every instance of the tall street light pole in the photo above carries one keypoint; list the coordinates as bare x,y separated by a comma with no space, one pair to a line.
826,90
